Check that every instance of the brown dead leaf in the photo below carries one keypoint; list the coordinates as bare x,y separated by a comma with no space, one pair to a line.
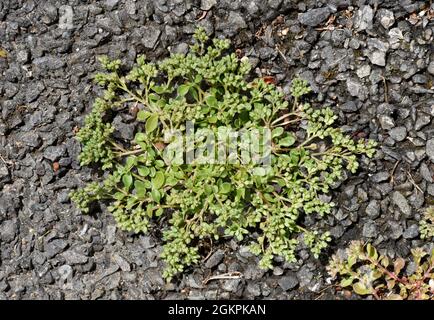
269,79
56,166
3,53
160,145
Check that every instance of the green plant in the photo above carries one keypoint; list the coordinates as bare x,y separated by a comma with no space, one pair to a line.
201,200
370,273
426,224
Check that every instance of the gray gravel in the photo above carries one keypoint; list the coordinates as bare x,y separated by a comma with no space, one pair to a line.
371,64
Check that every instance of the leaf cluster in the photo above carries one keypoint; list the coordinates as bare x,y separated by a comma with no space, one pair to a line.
369,273
426,224
208,86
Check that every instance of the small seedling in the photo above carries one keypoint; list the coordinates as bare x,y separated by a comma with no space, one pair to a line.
368,273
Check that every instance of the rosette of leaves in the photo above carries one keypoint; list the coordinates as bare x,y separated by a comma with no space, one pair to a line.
198,202
426,224
369,273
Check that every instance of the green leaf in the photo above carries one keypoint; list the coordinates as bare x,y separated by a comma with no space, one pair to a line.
159,89
211,101
142,115
259,171
143,171
183,89
140,188
156,195
151,123
277,132
150,210
287,141
171,181
269,197
159,212
212,119
398,265
158,180
127,180
361,289
225,187
119,195
372,252
241,193
131,161
140,136
346,282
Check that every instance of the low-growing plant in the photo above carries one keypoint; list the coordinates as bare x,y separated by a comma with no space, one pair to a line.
207,199
369,273
426,224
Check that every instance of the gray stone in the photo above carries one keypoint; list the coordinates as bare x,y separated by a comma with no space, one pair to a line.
151,34
109,25
253,289
274,4
277,271
380,176
288,281
48,63
356,89
8,230
73,257
430,149
31,139
363,18
377,57
304,276
386,18
386,122
121,262
253,272
111,4
54,247
395,38
395,230
314,17
207,4
373,209
370,229
215,258
33,90
337,231
411,232
354,44
431,189
401,202
426,173
350,106
130,7
377,51
54,153
231,285
430,67
398,133
65,272
422,120
233,24
23,56
111,234
364,71
4,172
420,79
